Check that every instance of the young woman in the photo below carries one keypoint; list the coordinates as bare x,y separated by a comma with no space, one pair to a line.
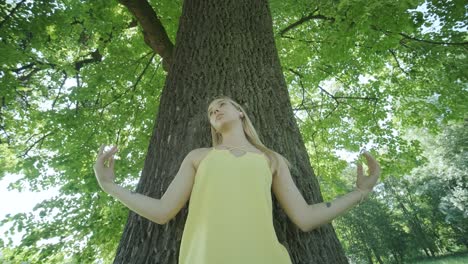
229,186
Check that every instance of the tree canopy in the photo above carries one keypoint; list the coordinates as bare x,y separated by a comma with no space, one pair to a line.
74,74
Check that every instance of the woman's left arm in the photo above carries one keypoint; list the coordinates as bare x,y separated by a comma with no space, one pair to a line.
322,213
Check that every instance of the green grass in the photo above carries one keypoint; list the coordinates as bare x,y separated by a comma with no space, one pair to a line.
459,258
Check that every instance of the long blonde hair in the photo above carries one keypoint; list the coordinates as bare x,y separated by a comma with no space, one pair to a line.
250,133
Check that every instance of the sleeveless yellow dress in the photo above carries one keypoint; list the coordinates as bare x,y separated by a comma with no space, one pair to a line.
230,218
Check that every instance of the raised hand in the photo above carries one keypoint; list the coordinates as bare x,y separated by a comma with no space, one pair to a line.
366,183
105,174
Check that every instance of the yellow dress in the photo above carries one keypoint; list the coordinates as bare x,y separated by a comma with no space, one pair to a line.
230,218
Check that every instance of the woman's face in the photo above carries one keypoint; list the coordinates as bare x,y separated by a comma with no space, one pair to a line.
221,112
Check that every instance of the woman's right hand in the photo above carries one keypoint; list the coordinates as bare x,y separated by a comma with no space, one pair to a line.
105,174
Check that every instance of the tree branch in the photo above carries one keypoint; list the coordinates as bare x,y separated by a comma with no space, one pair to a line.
309,17
65,77
406,36
433,42
12,13
27,66
334,97
153,31
300,40
143,72
117,97
323,90
397,62
303,97
95,57
25,153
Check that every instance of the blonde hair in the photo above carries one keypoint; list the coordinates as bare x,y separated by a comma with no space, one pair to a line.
249,132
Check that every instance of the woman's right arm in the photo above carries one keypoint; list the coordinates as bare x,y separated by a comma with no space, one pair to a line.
159,211
148,207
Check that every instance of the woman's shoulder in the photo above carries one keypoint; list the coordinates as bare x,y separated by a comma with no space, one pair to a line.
197,151
202,150
197,155
276,154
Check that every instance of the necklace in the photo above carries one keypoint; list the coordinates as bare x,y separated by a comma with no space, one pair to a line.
231,147
234,146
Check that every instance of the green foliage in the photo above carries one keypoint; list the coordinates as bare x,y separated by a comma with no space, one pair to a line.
451,259
423,211
76,74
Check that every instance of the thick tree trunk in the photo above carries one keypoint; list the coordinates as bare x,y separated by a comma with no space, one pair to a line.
223,47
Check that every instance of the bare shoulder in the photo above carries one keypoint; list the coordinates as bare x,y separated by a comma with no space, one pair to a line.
197,155
281,163
281,159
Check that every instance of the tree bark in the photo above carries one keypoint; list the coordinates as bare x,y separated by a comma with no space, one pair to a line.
153,31
223,47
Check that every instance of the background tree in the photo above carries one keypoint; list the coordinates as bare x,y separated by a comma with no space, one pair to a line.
75,75
424,211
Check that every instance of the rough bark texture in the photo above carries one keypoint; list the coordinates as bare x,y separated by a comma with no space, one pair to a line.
223,47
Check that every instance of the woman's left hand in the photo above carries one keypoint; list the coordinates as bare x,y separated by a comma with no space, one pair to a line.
366,183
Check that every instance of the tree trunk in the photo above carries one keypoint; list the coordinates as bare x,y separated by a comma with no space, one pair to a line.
223,47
